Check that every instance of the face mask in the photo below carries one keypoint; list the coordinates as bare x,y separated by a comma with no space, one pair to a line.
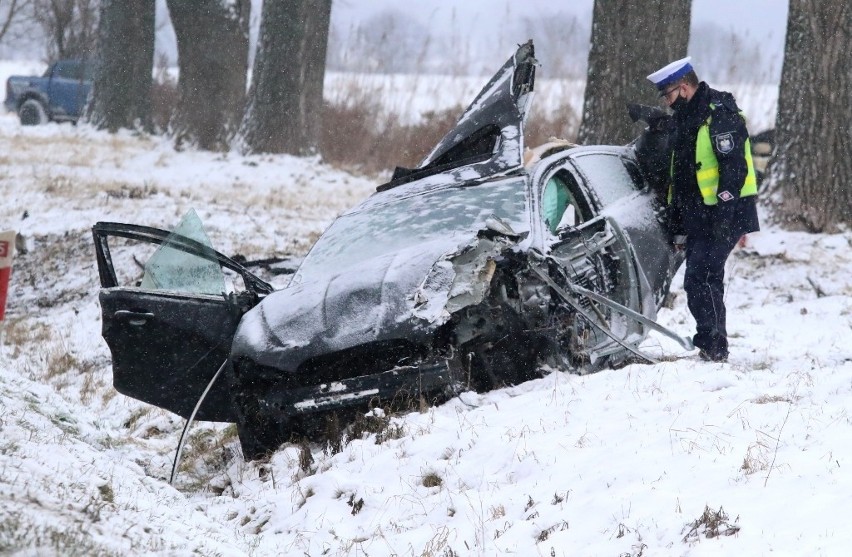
678,103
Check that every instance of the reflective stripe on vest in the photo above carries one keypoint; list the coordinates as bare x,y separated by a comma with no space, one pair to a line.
707,167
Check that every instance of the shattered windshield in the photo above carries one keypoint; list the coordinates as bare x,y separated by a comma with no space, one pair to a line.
453,214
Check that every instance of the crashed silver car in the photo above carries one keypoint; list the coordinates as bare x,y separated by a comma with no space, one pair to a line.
477,268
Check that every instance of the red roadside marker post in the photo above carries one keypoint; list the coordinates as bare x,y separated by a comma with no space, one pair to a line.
7,248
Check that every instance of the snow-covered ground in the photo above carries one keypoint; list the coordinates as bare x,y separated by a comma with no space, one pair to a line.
414,95
635,461
410,96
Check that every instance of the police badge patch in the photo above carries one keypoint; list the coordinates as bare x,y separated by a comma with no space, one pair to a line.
724,143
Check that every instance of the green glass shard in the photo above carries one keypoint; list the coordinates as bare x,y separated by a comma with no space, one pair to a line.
171,268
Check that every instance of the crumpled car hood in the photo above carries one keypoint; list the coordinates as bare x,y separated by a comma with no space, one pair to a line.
403,294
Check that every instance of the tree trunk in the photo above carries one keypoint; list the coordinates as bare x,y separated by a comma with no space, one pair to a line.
812,167
121,91
315,50
285,99
629,41
212,40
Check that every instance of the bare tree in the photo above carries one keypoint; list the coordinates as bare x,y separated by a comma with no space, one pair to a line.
564,44
10,12
726,57
389,42
69,25
813,159
212,40
121,95
629,41
285,99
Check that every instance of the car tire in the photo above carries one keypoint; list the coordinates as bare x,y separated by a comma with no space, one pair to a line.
262,434
258,437
32,113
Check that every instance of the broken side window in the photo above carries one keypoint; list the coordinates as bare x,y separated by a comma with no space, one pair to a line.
170,268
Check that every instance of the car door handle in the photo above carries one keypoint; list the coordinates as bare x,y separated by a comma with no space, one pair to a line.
136,318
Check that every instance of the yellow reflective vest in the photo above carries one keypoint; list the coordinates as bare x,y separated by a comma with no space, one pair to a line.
707,166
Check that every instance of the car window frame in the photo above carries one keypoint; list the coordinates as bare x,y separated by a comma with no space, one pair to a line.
68,69
580,195
589,186
102,231
563,164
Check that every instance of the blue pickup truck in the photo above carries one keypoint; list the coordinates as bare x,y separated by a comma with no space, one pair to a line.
59,95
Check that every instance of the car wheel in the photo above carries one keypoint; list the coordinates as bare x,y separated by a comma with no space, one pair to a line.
259,437
32,113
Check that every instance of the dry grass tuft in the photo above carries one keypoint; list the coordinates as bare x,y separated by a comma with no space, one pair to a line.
562,123
373,423
60,360
544,534
497,512
24,533
20,332
129,191
770,399
107,494
393,431
306,459
358,135
711,524
207,453
356,504
58,185
432,479
378,423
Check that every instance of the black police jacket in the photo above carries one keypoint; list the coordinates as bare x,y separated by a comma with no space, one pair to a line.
733,215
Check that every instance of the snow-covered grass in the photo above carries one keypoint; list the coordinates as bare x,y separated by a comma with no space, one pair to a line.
645,460
410,96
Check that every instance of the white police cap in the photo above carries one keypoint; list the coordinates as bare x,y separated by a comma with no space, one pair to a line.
671,73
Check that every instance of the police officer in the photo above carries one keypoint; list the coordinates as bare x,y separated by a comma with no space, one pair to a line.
712,195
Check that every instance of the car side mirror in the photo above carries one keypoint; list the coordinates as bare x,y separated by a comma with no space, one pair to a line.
568,220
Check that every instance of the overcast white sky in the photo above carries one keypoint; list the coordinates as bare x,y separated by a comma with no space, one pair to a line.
763,20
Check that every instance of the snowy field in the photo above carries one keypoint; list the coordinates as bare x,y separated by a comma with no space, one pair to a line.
646,460
413,95
410,96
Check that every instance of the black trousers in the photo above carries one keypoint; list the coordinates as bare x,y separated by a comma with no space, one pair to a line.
705,291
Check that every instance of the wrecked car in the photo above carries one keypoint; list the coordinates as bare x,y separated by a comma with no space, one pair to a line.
477,268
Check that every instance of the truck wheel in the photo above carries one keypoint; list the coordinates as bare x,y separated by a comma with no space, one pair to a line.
32,113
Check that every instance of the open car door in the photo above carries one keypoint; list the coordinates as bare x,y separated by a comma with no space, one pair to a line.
489,137
170,305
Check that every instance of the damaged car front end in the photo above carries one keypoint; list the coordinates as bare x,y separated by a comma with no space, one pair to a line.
387,300
473,270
